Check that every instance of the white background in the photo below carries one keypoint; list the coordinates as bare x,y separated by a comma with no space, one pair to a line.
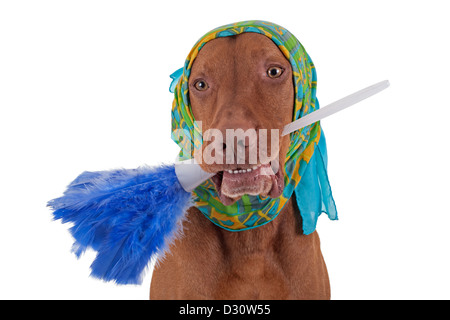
84,86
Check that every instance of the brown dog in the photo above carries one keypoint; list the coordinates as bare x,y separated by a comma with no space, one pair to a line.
243,82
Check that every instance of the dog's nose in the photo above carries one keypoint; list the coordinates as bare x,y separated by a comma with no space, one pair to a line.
240,145
240,141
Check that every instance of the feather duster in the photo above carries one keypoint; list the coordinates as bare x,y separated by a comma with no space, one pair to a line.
127,216
130,215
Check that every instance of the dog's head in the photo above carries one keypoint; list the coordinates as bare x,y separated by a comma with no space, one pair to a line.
241,88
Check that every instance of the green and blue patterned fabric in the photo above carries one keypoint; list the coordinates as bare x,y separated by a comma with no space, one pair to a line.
306,159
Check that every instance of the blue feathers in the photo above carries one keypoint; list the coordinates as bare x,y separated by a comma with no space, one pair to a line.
126,215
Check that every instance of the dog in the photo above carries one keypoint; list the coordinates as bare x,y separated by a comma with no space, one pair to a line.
243,82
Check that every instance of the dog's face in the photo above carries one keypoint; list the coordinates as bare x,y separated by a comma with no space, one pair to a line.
243,82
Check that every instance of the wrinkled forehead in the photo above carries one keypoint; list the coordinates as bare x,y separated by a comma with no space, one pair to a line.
245,48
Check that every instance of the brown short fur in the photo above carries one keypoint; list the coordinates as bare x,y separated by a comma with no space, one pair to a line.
274,261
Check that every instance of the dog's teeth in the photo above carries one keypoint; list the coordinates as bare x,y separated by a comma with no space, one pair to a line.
242,170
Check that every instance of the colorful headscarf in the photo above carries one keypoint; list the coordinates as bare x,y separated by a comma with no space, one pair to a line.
305,168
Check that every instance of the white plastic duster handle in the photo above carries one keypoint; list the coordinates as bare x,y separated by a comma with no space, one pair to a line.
335,107
190,174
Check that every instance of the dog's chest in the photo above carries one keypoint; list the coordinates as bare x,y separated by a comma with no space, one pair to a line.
254,276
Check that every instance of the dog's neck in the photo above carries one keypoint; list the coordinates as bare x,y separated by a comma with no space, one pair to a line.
273,261
264,239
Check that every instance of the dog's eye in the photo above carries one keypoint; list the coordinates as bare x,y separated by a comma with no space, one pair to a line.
274,72
201,85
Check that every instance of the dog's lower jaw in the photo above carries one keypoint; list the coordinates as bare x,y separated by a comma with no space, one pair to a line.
232,186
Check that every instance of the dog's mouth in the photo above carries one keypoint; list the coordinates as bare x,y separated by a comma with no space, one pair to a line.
262,179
